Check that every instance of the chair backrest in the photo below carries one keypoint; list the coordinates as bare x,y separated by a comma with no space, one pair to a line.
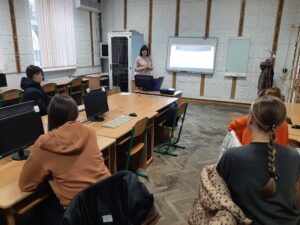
50,88
180,113
140,127
104,202
76,82
114,90
10,97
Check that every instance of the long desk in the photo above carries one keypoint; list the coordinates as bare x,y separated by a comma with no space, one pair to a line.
12,199
177,94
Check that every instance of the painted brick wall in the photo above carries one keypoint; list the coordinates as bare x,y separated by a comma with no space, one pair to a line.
82,38
260,16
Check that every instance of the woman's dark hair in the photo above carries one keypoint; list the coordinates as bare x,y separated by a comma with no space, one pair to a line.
33,70
61,109
275,91
269,112
143,48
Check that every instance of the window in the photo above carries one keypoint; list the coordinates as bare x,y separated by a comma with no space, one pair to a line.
53,35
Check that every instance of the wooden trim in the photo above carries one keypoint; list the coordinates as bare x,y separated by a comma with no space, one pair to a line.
150,25
125,14
242,18
233,87
240,33
202,84
177,17
92,39
195,101
295,73
15,34
176,34
174,80
277,29
207,21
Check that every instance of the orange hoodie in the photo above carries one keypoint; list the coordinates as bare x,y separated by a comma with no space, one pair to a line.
68,157
240,127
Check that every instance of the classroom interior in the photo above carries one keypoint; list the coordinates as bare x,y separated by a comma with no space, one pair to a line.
269,29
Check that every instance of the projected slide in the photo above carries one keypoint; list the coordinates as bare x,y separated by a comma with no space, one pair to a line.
192,56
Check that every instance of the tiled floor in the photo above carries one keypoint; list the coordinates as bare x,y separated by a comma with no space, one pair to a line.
174,180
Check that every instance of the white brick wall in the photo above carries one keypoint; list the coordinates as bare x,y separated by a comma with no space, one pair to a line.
259,25
82,38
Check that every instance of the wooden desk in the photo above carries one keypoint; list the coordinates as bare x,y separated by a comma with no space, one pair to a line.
177,94
63,84
12,199
97,81
293,112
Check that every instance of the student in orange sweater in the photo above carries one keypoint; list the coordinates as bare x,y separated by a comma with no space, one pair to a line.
67,156
240,125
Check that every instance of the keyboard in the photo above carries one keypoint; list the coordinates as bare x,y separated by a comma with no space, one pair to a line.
117,121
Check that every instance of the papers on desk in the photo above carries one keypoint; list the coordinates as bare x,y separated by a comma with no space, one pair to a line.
124,93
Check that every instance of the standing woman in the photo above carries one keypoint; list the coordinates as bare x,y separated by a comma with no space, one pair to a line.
143,63
262,176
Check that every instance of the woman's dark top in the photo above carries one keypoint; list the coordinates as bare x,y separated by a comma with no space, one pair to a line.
246,173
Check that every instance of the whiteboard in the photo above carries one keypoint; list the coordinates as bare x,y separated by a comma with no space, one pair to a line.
191,54
237,57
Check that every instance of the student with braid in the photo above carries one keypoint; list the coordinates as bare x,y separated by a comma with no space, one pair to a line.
262,177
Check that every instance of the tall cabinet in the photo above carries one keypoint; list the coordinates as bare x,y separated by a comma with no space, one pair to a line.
123,49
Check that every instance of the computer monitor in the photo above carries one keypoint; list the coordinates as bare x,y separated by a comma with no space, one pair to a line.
3,82
95,104
16,109
144,82
19,131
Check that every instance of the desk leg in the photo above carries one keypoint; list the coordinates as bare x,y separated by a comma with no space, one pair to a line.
113,159
9,215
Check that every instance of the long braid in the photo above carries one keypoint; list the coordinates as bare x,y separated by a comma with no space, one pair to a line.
270,188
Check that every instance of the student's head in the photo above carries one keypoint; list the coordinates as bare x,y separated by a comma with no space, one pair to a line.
144,51
35,73
266,114
275,91
61,109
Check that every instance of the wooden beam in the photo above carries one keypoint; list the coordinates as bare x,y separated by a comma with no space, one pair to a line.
150,25
295,73
206,34
125,14
176,34
277,29
240,33
15,34
92,39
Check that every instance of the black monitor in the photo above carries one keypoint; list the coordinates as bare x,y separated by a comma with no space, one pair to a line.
3,82
95,104
19,131
16,109
144,82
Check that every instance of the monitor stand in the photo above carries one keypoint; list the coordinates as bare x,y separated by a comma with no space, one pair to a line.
20,155
96,118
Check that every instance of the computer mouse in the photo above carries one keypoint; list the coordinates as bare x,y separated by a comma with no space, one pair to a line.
133,114
296,126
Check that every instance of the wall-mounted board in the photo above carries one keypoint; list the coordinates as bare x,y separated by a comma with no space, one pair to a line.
191,54
237,57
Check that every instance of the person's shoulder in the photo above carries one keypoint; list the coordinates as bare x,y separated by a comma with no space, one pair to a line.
292,152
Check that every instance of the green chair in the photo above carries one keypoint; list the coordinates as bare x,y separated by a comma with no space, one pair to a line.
137,142
76,90
172,138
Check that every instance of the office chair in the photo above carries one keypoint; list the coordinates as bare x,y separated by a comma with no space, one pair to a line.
172,140
50,88
10,97
76,90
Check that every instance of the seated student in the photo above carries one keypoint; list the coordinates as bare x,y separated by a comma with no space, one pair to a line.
240,125
262,176
67,156
33,90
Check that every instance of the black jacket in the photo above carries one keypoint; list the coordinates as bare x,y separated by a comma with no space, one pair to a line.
120,199
34,91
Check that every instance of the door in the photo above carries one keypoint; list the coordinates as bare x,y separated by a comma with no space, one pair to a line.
119,62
